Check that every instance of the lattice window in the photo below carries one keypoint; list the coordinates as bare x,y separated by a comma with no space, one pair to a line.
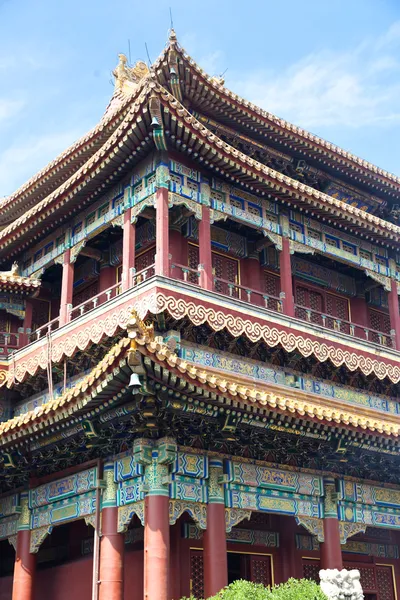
40,313
272,218
272,287
311,571
197,574
365,254
261,570
333,242
152,180
348,248
367,578
297,228
77,229
192,186
227,269
144,260
312,300
103,210
81,297
380,322
175,179
315,235
337,307
384,582
253,210
91,219
3,328
380,260
193,262
236,204
217,196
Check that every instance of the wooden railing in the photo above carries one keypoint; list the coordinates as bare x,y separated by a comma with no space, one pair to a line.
184,273
341,325
44,330
8,342
247,294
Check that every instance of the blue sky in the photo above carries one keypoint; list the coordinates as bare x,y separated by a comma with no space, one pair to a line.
331,66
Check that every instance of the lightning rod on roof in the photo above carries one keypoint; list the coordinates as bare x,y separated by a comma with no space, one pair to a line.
148,55
170,18
129,51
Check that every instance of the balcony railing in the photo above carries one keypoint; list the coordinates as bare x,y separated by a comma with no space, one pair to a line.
12,341
8,342
341,325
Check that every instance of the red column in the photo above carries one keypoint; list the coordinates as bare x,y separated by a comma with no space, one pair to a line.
175,566
24,569
107,278
393,301
286,278
331,550
162,233
156,547
215,557
111,572
250,271
67,288
359,315
291,565
176,253
205,256
128,250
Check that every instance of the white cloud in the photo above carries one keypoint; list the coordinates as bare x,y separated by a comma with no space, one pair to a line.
22,160
9,108
353,89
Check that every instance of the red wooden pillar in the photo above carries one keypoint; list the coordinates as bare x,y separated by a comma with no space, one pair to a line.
67,287
156,547
25,562
331,549
175,570
250,271
111,568
215,558
205,255
286,278
24,568
162,233
107,278
128,250
359,315
156,456
393,301
176,254
291,565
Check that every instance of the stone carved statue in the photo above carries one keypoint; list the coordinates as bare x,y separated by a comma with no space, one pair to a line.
341,585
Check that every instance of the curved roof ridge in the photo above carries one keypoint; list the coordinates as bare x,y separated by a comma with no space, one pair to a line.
7,203
82,170
215,83
218,143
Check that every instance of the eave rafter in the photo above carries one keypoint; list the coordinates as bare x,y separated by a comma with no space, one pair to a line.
240,391
211,94
205,146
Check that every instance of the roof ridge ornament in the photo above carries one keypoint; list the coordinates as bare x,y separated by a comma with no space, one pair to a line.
127,78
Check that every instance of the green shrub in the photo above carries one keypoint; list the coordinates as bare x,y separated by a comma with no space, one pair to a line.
294,589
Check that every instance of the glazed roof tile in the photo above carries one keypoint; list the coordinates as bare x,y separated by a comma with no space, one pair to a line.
214,83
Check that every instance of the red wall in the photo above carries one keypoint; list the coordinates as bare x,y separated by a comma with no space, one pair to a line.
6,587
69,581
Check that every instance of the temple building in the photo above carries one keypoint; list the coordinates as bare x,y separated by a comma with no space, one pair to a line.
199,353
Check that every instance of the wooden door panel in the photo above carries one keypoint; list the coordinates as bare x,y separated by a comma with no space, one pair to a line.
144,260
196,573
260,569
227,269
